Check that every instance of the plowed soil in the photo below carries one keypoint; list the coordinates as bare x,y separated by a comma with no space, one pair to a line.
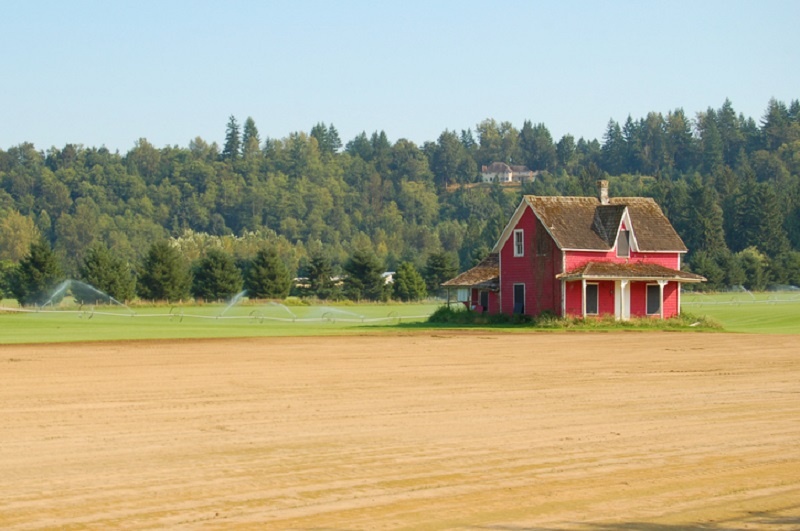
541,431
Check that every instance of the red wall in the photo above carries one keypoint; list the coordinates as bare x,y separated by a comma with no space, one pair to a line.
542,261
494,300
607,299
537,269
576,259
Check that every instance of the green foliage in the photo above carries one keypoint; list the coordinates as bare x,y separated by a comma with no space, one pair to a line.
363,277
164,275
439,268
36,275
447,315
723,180
408,283
109,273
216,277
267,277
7,272
320,277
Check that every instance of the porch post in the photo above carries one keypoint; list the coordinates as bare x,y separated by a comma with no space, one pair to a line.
661,284
622,285
583,297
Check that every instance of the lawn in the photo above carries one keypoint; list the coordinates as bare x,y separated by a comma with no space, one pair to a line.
759,313
97,323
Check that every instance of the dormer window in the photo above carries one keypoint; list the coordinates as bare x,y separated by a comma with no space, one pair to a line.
624,243
519,243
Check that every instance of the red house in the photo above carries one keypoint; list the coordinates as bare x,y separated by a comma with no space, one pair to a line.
581,256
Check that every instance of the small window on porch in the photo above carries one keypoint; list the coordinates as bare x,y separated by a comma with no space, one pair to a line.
653,299
624,244
519,243
592,293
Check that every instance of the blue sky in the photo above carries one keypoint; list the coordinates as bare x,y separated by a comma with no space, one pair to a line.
108,73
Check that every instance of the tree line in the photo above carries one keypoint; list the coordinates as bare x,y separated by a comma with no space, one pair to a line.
729,184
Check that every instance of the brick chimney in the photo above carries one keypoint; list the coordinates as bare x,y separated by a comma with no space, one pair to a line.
602,189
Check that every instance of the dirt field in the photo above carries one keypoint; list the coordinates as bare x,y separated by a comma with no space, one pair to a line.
651,431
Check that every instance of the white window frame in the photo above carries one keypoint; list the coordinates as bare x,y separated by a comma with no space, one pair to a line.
596,301
647,299
619,237
519,242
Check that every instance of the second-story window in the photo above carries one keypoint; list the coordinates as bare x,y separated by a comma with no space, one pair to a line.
519,245
624,244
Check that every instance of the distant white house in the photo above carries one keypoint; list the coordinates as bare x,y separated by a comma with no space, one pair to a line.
500,172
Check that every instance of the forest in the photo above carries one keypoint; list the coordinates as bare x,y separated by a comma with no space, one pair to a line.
729,184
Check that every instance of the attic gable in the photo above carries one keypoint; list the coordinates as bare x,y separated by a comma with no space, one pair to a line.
608,221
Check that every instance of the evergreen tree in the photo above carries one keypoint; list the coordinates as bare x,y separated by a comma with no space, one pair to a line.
37,275
363,276
320,276
109,273
408,283
439,268
233,140
251,142
216,277
165,276
267,277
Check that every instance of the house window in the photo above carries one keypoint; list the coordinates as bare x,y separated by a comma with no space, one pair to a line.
519,245
624,244
519,298
592,305
653,299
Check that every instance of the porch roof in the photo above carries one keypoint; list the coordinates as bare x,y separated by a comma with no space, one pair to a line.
630,271
485,275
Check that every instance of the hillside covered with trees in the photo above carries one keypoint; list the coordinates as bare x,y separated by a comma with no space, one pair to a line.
729,184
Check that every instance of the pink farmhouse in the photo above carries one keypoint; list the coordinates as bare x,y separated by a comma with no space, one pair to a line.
581,256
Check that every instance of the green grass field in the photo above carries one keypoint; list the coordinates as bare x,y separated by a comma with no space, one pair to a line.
760,313
757,313
73,323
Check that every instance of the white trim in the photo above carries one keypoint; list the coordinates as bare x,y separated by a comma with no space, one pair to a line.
608,250
500,282
660,300
597,302
563,284
519,246
514,297
583,298
506,234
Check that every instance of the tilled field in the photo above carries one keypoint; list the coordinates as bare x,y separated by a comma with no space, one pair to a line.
540,431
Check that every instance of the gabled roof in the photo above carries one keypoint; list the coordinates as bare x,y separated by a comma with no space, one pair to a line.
583,223
630,271
607,219
485,275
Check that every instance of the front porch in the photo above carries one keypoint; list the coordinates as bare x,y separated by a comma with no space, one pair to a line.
623,290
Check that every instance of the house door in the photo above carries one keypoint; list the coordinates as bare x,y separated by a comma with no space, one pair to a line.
622,300
484,301
519,298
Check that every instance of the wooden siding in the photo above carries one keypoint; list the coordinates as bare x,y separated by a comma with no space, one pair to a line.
606,298
537,269
576,259
494,300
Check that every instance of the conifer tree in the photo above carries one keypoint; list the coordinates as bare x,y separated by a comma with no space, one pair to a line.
36,275
164,276
267,276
